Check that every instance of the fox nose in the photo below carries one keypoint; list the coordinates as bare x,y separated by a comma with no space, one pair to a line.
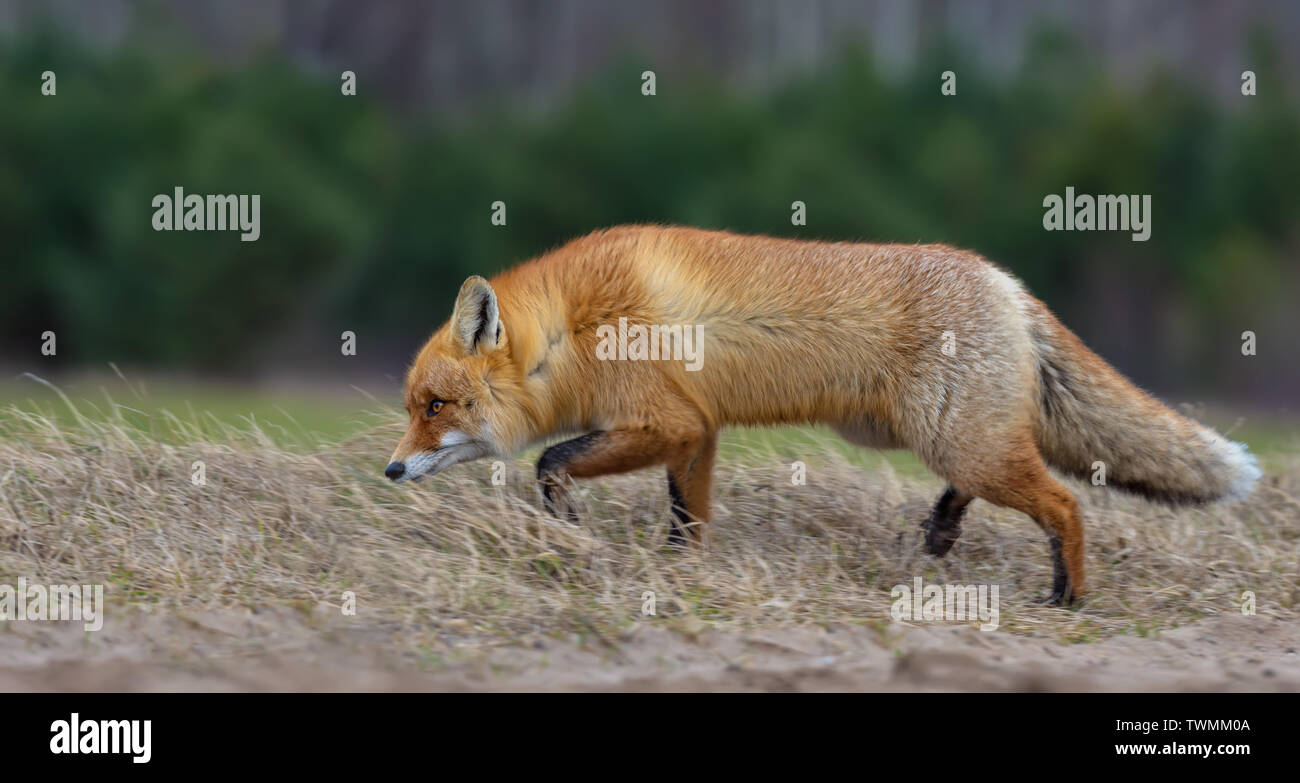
394,470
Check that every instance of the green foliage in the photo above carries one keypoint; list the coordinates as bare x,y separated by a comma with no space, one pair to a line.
371,220
80,171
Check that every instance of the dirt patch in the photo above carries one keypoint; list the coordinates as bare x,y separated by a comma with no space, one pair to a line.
286,650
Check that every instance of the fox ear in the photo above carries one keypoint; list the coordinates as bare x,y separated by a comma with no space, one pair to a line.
475,320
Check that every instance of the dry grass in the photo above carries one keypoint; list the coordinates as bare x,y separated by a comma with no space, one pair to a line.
102,502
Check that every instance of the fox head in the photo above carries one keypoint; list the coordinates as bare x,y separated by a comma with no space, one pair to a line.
459,389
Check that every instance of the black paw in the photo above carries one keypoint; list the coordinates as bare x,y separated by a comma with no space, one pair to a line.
938,538
1059,597
680,536
557,503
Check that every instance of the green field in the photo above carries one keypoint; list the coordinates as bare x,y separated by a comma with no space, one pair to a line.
304,417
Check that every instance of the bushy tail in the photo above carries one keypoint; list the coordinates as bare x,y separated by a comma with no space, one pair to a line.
1090,413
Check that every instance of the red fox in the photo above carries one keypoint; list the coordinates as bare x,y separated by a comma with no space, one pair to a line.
923,347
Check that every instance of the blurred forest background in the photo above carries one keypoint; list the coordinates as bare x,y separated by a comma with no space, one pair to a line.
376,207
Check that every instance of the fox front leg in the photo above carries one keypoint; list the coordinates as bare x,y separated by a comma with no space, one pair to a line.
606,452
552,473
690,484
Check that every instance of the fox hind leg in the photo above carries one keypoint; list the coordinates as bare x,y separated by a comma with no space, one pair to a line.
1061,594
1056,510
943,526
1019,480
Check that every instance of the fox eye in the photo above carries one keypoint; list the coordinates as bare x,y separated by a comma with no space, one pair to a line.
434,407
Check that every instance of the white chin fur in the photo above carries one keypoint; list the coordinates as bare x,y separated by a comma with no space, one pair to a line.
430,463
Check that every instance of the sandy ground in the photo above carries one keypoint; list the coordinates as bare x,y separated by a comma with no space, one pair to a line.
288,650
